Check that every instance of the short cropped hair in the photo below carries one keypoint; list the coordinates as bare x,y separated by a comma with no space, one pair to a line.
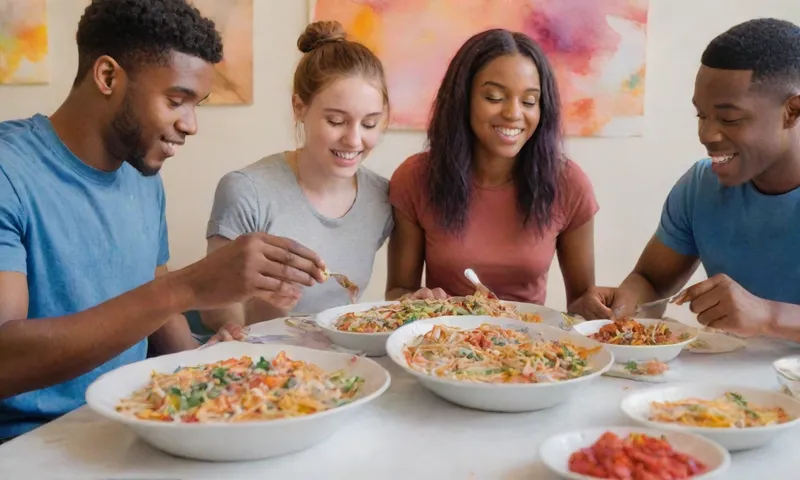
768,47
134,32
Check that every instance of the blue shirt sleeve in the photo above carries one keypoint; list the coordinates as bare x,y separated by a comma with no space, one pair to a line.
163,246
13,255
675,227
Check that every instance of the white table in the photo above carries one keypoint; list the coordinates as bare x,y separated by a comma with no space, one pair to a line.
407,433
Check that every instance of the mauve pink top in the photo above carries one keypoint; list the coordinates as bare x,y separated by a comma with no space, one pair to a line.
512,261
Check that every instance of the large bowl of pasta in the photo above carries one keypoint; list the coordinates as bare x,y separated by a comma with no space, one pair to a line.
498,364
238,401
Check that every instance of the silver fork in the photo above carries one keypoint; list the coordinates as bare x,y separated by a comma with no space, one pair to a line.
473,278
569,319
346,283
655,303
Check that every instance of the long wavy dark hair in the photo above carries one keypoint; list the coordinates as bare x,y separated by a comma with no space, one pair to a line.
451,141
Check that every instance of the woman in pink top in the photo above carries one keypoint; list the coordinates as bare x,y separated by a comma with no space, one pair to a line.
494,191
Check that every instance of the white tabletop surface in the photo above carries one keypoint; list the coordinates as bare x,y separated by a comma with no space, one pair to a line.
407,433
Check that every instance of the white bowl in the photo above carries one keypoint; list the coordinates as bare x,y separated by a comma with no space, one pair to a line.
641,353
235,441
372,344
787,369
556,450
637,407
499,397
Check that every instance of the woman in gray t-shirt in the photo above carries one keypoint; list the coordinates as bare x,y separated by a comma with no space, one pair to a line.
318,195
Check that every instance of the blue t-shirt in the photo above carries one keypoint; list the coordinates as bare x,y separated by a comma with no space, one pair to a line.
82,236
751,237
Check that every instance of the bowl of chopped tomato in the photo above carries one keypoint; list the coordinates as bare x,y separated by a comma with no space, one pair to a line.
634,454
639,340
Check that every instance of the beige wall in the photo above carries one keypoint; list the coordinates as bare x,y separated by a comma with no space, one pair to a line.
631,176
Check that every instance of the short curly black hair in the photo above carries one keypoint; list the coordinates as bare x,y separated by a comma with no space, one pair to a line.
768,47
137,31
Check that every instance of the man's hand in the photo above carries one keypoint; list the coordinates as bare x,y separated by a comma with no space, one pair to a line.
720,302
253,265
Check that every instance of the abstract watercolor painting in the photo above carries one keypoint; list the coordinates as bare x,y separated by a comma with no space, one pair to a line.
597,48
23,42
233,79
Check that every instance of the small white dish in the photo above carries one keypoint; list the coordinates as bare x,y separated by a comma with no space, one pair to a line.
787,369
500,397
556,450
713,342
637,407
239,441
372,344
621,370
641,353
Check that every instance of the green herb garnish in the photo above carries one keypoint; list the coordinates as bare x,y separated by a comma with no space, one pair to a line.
263,364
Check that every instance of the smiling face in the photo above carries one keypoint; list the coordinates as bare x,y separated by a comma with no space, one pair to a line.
157,111
342,124
745,130
504,105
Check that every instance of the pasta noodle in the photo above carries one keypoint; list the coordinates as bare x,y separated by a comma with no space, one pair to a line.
391,317
237,390
494,354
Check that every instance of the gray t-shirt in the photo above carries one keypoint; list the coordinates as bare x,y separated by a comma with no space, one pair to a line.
265,197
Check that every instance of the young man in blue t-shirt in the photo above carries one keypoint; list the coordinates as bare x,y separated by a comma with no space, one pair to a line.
83,238
738,212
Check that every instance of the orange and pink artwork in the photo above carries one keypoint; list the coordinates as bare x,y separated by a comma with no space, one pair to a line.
233,77
597,49
23,42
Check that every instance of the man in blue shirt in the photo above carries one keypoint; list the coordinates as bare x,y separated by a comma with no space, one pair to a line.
738,212
83,238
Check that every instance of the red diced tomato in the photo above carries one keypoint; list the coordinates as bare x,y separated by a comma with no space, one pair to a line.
637,457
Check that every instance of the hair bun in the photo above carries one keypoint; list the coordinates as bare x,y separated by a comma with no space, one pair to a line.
319,33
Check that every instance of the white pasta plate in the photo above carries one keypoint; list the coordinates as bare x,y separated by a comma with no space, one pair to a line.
642,353
236,441
555,452
500,397
374,344
638,407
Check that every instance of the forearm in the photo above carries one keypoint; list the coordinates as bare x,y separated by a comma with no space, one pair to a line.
575,250
785,321
253,311
37,353
259,310
637,289
397,292
214,319
174,336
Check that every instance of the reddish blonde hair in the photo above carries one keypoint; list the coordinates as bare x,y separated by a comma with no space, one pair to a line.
328,55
